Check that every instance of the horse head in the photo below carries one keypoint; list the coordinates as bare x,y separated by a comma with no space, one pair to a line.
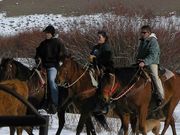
8,69
118,84
12,69
66,71
108,84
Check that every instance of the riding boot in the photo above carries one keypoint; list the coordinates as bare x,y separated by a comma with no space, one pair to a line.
45,104
159,100
52,109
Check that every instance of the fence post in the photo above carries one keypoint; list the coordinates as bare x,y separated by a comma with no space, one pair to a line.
43,129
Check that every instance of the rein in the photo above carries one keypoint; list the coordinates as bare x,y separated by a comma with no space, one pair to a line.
35,70
70,85
127,88
40,77
114,79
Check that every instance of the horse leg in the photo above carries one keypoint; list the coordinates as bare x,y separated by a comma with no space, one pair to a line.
29,130
133,121
169,118
12,130
19,130
90,127
142,119
61,118
102,120
61,115
81,123
172,123
124,122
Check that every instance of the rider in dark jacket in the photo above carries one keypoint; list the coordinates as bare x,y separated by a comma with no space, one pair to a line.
50,51
101,54
101,57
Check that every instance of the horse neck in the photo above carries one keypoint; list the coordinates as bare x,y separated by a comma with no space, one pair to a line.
22,72
34,84
126,75
85,81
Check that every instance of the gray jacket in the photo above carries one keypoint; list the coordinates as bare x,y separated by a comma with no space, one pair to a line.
149,50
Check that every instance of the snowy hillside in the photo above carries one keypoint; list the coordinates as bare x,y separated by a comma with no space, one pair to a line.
13,25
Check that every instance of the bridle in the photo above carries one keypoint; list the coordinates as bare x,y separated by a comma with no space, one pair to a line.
128,87
67,85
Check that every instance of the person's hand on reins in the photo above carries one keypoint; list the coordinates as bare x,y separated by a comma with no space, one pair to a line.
91,58
141,63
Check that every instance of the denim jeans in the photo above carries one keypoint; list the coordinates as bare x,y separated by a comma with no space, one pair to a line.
51,73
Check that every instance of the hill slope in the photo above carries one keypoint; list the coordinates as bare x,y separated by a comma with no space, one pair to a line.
79,7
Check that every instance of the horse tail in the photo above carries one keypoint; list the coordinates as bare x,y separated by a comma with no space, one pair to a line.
102,120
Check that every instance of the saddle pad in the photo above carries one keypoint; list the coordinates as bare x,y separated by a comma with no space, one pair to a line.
167,75
93,80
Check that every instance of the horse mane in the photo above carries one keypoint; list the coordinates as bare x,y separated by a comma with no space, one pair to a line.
76,63
81,63
126,74
23,72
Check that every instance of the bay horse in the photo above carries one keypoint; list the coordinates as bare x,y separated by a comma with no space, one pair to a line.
137,93
81,92
161,113
14,69
9,105
11,69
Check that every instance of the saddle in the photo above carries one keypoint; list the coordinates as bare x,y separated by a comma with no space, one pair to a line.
165,74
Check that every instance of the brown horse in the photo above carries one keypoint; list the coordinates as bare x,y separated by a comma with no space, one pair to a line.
166,110
81,92
9,105
163,111
12,68
138,93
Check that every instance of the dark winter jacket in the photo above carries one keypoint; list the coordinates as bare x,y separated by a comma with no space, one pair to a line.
103,55
50,51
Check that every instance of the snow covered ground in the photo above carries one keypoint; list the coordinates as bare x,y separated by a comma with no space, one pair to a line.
71,124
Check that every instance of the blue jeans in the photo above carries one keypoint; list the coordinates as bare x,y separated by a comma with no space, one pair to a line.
51,73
